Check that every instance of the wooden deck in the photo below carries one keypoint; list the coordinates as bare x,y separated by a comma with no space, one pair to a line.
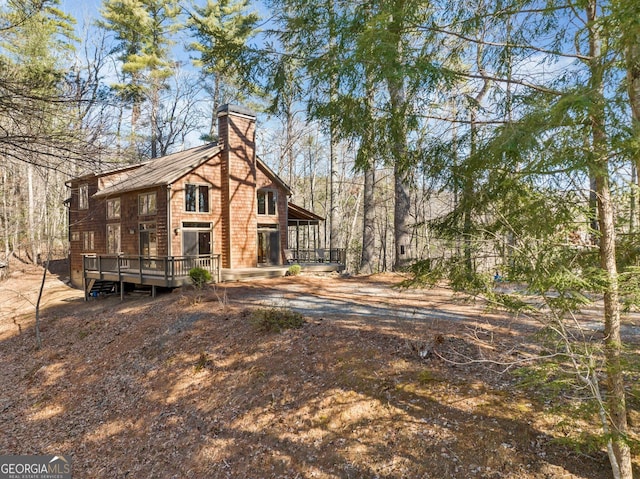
168,272
173,271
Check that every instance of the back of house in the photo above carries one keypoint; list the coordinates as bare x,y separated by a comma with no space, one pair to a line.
215,198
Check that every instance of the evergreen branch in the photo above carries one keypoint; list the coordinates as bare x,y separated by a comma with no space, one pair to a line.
534,48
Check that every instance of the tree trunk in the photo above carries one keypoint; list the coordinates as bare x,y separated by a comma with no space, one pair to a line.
620,454
468,180
215,97
398,129
333,91
401,217
289,144
155,106
613,341
368,223
633,89
633,197
5,215
40,292
365,159
31,233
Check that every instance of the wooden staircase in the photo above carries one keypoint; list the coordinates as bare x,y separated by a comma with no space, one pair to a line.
97,288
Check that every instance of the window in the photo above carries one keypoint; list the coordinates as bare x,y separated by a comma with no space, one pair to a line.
87,241
196,198
113,238
75,236
147,204
267,202
83,197
113,208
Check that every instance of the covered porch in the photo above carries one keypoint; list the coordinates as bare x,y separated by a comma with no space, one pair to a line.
304,241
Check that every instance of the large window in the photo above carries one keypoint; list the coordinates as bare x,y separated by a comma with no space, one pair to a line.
88,241
196,198
267,201
83,197
147,204
113,208
113,238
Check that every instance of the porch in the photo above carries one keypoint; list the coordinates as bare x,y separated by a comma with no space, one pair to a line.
167,272
101,272
310,261
316,256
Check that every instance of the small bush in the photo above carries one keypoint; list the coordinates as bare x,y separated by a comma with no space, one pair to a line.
203,362
276,319
199,277
294,270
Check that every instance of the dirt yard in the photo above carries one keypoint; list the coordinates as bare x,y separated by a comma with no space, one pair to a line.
379,383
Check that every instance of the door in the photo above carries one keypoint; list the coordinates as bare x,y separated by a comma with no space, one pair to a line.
268,245
196,243
148,240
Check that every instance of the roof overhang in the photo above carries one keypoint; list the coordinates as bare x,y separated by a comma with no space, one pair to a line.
297,214
272,174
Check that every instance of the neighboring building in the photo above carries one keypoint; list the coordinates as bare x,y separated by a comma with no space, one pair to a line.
213,199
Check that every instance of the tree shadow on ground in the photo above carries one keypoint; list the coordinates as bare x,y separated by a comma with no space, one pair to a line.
186,387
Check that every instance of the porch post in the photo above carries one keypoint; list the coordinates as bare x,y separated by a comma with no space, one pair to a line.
84,277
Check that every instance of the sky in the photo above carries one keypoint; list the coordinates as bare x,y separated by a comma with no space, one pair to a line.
81,9
88,11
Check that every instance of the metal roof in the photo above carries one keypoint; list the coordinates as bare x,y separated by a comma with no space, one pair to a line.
165,171
162,171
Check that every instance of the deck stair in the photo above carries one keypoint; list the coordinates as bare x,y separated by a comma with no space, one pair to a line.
100,288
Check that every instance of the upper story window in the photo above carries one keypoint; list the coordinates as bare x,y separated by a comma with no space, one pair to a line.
147,204
88,242
113,238
196,198
267,202
113,208
83,196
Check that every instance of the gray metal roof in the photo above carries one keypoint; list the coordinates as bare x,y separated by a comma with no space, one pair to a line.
161,171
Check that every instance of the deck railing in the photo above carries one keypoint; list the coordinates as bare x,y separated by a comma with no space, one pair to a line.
320,255
167,267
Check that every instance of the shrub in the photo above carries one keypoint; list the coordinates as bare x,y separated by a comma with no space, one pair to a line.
203,362
294,270
199,277
276,319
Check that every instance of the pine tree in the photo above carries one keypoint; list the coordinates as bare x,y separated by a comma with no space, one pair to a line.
222,30
143,30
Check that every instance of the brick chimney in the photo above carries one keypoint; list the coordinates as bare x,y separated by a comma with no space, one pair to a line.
237,133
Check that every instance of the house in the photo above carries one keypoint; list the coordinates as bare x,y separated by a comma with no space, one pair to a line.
217,206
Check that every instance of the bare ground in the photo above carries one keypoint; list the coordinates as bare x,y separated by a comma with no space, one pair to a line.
377,383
